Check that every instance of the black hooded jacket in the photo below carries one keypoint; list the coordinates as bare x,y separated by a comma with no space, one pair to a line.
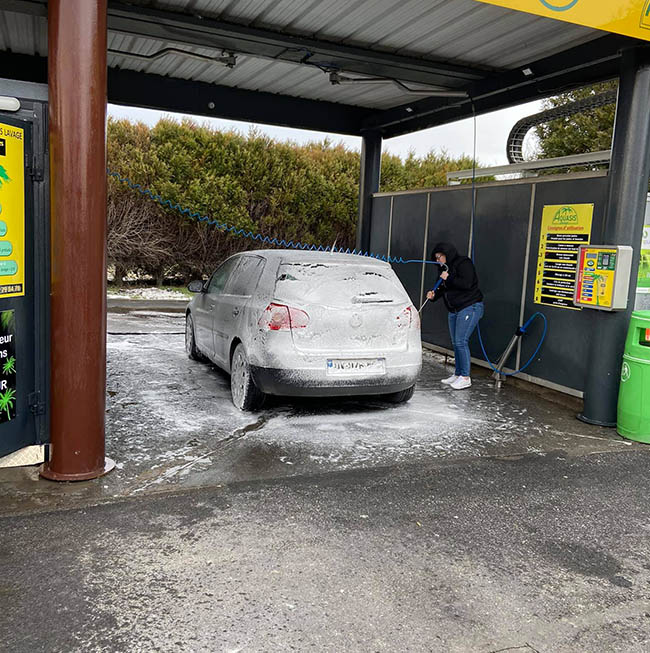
460,290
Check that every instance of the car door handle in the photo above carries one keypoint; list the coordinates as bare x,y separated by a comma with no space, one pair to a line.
211,307
235,312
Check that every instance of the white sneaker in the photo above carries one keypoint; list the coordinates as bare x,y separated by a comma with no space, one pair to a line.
461,382
449,380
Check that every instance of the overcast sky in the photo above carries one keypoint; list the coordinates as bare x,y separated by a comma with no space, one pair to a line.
456,139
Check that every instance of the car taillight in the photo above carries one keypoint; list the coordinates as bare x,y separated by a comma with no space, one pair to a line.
408,317
278,317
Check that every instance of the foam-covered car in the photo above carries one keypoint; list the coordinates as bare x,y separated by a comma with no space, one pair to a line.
300,323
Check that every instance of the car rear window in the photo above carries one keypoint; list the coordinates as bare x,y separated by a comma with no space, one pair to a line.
338,284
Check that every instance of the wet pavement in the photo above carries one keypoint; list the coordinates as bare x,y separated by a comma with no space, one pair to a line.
478,520
171,424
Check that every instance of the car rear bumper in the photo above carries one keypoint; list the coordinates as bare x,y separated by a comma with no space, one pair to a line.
307,383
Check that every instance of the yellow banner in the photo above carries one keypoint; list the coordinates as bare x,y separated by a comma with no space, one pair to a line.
627,17
12,211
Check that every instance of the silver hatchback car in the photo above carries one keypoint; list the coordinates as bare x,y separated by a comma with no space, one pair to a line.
299,323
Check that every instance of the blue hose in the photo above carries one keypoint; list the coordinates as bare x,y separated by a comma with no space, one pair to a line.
520,331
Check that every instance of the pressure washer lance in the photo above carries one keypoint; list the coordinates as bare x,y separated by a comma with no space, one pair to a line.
498,374
445,268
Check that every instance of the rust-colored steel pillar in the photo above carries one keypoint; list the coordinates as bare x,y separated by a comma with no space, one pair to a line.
77,124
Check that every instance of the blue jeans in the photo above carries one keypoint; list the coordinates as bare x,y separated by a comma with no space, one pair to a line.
461,327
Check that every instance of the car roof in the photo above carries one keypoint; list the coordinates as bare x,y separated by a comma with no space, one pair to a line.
306,256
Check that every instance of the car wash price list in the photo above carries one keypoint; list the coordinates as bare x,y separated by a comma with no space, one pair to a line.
12,211
564,228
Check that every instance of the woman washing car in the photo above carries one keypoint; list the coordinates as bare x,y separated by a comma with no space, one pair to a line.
464,301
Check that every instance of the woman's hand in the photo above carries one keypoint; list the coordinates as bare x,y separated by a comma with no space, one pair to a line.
444,275
431,294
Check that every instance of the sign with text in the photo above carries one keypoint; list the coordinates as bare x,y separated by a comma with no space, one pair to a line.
564,228
627,17
7,366
12,211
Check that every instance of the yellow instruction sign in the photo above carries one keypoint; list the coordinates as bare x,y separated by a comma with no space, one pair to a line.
627,17
12,211
564,228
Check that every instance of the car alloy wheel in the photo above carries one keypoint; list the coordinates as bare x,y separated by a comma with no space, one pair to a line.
245,394
190,342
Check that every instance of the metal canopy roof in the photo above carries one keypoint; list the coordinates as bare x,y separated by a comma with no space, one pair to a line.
429,61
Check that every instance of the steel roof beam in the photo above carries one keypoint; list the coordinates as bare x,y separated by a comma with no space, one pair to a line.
137,89
199,98
589,63
183,29
212,33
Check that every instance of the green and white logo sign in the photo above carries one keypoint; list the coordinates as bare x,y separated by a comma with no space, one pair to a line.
566,215
625,372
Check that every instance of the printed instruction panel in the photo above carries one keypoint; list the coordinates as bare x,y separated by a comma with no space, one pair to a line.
12,211
564,228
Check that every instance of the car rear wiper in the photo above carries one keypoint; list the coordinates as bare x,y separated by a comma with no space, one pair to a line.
372,298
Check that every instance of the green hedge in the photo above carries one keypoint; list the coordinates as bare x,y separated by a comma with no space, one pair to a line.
301,192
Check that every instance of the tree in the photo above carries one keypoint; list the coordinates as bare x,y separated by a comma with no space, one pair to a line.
589,131
302,193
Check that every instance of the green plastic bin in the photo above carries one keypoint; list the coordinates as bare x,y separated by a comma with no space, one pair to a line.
634,395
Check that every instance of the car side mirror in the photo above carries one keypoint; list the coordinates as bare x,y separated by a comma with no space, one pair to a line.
195,286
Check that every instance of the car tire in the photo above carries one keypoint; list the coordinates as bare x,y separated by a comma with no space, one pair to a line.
190,341
400,397
245,394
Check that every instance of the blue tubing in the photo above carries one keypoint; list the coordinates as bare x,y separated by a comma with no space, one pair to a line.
245,233
523,330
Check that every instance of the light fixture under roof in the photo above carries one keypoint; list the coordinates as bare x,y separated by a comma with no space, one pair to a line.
527,71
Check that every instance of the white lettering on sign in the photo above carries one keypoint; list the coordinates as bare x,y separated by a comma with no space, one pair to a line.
3,385
6,339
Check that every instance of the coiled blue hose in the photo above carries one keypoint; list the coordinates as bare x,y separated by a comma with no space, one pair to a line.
244,233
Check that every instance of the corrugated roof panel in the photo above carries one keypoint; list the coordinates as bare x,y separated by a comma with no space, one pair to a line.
427,28
462,31
385,21
285,12
23,34
335,19
244,11
534,41
413,19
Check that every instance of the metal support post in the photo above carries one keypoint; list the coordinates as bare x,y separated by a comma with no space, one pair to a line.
623,225
77,130
368,184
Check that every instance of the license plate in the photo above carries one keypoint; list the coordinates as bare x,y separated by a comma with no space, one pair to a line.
356,366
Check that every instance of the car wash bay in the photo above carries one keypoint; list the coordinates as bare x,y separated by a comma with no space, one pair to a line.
481,520
97,56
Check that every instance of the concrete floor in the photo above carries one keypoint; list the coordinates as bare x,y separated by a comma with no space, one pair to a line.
463,521
171,424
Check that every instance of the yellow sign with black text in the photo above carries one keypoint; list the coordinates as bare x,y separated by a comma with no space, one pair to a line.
12,211
627,17
564,228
